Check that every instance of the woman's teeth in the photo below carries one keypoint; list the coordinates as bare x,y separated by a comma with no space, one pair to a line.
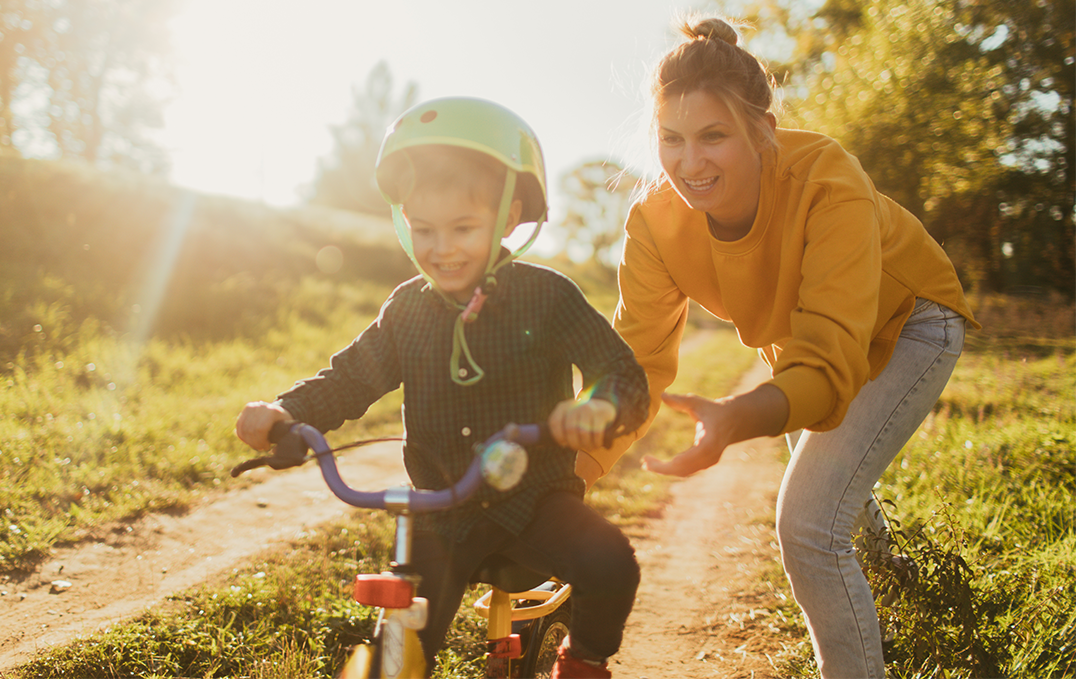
700,184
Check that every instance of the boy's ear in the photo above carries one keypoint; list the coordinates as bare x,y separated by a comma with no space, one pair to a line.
515,211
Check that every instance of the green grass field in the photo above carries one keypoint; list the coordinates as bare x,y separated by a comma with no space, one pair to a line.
289,613
95,429
981,499
103,421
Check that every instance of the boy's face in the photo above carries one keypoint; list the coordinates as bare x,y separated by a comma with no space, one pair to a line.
452,235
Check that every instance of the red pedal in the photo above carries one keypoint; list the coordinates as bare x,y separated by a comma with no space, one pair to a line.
507,647
384,591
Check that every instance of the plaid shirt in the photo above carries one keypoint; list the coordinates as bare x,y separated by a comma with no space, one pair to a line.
534,326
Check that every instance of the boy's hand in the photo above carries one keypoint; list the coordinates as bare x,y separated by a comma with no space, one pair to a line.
254,423
581,425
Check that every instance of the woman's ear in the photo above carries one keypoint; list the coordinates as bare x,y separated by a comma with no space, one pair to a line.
769,124
515,211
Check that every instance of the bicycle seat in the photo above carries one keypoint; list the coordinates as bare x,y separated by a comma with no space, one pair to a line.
505,574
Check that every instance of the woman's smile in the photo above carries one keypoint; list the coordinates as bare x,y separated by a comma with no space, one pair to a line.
700,185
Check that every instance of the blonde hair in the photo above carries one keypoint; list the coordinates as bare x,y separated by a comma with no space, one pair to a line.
711,60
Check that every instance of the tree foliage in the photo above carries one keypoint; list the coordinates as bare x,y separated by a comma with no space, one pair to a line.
598,195
84,80
961,111
346,180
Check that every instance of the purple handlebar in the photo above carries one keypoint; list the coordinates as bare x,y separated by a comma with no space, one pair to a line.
409,499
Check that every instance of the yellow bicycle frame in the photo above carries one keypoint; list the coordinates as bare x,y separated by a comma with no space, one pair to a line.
401,650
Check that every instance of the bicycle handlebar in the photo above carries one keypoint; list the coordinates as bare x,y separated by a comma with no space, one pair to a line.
293,439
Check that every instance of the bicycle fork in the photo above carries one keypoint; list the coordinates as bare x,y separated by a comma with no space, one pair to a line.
396,652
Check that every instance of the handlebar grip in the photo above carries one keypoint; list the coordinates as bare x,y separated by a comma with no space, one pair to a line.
532,434
539,434
279,430
290,450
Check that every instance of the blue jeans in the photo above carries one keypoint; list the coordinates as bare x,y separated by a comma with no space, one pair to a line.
829,479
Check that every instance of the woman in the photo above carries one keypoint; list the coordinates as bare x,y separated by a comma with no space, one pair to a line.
853,305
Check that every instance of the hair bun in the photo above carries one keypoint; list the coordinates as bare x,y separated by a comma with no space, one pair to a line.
714,29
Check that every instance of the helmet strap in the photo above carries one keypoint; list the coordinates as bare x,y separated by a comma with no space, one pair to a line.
501,225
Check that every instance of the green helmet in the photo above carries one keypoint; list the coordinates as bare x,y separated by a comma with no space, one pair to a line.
475,124
490,129
472,123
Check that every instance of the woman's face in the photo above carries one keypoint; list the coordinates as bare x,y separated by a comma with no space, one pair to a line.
710,162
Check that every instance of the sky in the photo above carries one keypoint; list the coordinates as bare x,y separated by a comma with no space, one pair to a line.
259,82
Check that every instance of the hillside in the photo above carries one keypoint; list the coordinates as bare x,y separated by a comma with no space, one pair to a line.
137,254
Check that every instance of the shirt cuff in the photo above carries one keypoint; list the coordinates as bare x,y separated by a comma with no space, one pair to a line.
811,397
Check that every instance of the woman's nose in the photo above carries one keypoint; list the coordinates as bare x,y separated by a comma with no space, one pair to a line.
693,158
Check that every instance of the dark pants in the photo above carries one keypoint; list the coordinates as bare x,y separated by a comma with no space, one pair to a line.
567,539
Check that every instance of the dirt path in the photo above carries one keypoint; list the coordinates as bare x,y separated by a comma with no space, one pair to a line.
126,572
699,611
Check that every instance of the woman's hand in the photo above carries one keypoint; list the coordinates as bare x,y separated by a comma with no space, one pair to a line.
254,423
719,424
711,436
581,425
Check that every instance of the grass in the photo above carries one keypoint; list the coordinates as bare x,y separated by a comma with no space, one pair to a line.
984,495
289,613
286,614
981,499
96,429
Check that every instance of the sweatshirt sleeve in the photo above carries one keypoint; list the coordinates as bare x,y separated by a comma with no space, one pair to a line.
825,363
651,316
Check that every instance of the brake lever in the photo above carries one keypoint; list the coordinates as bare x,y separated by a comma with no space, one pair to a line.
290,451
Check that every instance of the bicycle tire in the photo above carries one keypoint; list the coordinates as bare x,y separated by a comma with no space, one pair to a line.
541,653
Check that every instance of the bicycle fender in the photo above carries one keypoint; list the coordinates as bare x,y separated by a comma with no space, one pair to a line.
360,665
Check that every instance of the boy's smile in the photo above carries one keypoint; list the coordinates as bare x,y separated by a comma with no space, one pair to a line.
452,236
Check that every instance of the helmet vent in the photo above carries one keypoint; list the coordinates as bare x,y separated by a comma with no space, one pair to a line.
428,116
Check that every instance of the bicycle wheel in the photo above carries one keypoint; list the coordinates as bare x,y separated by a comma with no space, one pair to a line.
541,653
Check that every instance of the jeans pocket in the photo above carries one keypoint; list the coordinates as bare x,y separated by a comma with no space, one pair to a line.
922,305
935,324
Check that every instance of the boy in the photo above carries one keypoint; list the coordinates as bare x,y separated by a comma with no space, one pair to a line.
478,341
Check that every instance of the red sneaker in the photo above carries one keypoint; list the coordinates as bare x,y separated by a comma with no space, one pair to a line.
570,667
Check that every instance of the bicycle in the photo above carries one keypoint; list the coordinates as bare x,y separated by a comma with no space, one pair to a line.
527,611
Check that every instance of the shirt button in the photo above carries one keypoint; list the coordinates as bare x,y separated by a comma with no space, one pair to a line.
462,372
485,504
466,431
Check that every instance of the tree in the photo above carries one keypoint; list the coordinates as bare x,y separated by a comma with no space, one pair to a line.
346,180
84,76
961,111
599,195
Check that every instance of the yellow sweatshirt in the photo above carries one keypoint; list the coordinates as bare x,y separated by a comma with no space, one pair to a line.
821,285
